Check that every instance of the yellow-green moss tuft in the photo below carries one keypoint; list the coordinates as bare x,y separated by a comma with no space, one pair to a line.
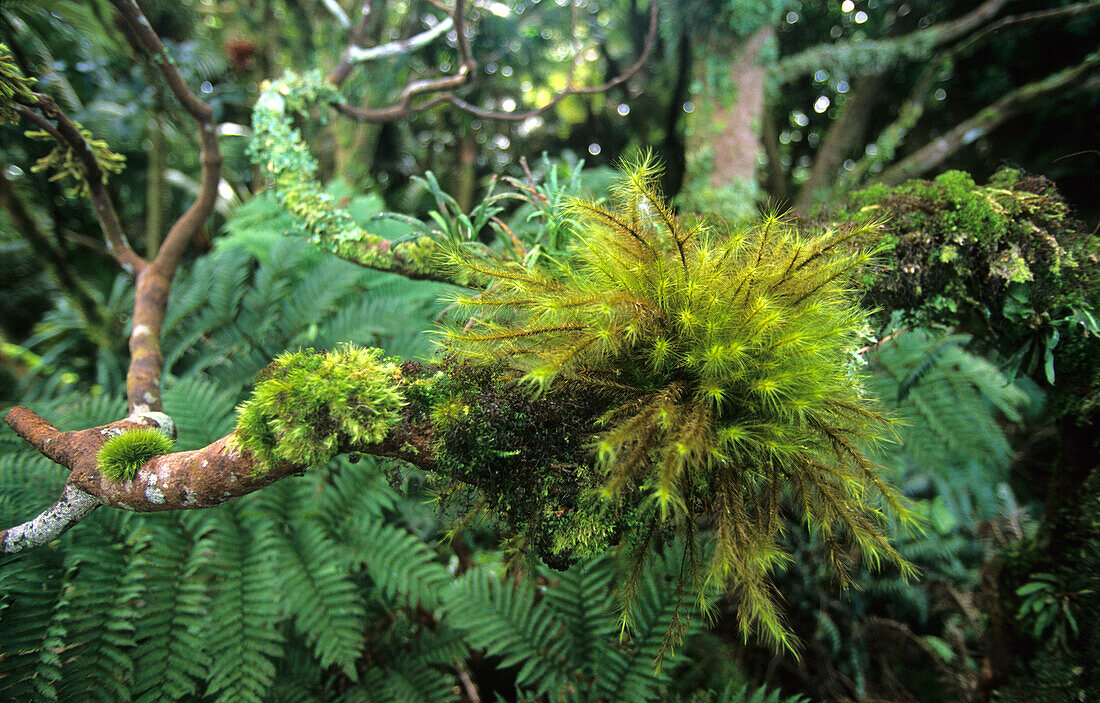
122,455
308,406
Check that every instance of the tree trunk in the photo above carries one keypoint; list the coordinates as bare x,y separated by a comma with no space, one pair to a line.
723,140
843,136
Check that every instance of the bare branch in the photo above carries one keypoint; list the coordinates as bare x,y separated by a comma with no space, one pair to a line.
358,54
68,135
153,284
912,109
358,34
337,12
404,107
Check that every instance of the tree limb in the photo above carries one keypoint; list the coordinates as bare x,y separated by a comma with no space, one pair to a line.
404,106
885,52
68,135
891,137
986,120
202,478
73,506
99,321
154,282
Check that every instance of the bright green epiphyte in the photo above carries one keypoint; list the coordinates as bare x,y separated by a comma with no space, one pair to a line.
278,148
309,405
723,357
122,455
14,86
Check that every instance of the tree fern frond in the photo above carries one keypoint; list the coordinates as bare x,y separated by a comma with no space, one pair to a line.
318,592
401,565
32,631
99,615
506,621
170,657
243,639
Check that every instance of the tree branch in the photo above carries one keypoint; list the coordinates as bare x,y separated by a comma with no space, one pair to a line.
73,506
68,135
202,478
938,150
892,136
153,284
404,106
882,53
95,316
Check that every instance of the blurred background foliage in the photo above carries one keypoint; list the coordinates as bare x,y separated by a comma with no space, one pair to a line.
338,585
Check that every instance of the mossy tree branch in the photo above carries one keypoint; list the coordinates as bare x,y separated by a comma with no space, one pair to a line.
202,478
934,153
873,56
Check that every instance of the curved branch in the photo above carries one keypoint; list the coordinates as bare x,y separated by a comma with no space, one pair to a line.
201,478
68,135
404,107
912,109
153,284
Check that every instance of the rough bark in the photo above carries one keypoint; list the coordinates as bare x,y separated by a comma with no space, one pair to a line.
733,126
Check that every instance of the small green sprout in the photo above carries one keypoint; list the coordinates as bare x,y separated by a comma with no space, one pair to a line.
121,456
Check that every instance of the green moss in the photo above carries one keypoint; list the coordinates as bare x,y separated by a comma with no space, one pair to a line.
122,455
278,147
1006,262
721,355
14,86
309,406
531,459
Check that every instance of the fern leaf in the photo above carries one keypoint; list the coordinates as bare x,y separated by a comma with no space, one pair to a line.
170,657
242,633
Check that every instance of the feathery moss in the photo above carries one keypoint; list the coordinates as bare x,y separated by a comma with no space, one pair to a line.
122,455
722,359
308,406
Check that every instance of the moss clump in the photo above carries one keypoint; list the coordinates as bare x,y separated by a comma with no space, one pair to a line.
122,455
721,356
1005,262
14,86
307,406
530,458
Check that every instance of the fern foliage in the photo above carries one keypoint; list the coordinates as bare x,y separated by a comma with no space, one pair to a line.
721,355
950,403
